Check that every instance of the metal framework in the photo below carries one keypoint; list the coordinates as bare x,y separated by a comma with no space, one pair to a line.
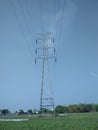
45,51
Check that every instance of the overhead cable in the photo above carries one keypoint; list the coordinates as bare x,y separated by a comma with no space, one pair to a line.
20,26
25,19
41,14
29,14
61,22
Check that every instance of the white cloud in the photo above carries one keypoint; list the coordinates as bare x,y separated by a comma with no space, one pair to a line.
53,22
94,75
70,10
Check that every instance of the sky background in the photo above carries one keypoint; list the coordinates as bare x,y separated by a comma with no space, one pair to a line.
74,24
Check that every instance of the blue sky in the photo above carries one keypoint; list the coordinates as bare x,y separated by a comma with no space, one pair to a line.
74,24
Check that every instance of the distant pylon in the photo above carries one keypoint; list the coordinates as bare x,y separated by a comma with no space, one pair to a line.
45,50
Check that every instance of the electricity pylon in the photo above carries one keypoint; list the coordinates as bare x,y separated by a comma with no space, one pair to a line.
45,51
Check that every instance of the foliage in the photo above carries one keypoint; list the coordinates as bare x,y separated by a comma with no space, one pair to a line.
5,111
21,112
29,111
96,107
77,108
60,109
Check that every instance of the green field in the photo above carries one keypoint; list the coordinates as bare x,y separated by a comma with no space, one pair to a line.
83,121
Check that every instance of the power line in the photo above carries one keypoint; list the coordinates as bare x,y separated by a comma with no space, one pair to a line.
57,9
57,15
41,14
28,14
25,19
20,26
62,17
59,21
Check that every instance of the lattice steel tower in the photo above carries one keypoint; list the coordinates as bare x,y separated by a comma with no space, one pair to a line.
45,51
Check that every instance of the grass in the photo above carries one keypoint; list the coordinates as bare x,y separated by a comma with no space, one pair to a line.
83,121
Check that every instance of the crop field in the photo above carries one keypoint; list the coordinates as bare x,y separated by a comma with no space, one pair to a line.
83,121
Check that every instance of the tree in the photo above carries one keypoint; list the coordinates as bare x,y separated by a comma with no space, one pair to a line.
21,112
82,108
73,108
29,111
77,108
96,107
5,111
89,107
60,109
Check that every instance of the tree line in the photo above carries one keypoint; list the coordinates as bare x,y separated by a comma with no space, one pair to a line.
20,112
77,108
